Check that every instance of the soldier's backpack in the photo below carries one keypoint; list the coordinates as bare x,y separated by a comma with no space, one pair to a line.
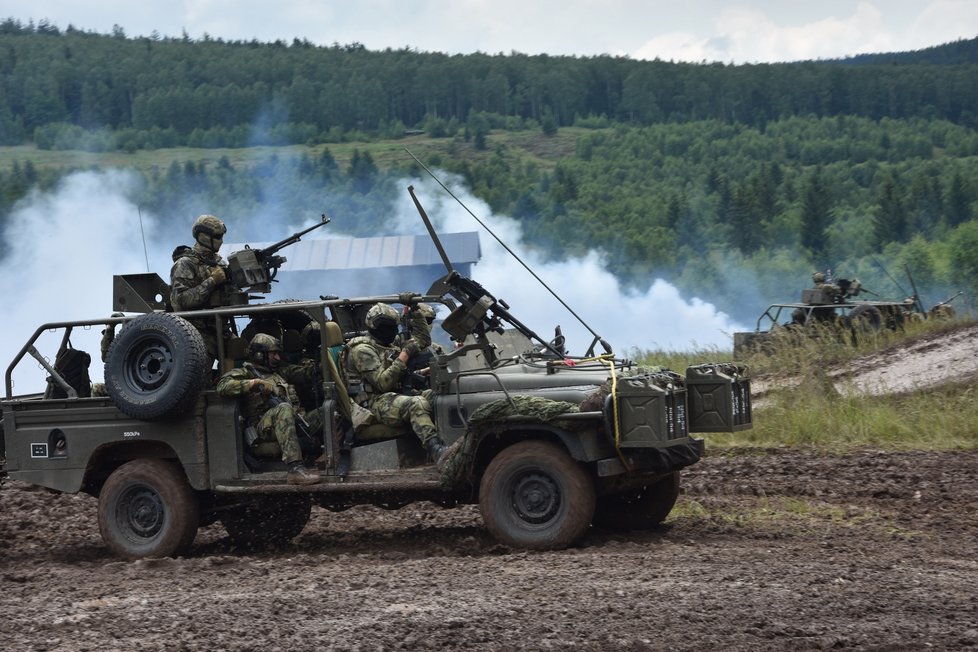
72,365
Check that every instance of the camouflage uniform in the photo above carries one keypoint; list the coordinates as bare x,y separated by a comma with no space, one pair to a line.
367,360
192,288
272,423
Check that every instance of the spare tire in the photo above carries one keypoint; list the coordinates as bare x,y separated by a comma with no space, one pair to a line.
156,366
866,318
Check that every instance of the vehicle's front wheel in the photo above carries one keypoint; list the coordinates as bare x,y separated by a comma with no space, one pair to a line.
533,495
147,509
263,523
638,510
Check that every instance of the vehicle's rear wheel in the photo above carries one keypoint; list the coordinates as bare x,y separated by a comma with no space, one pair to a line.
265,523
156,366
147,509
866,318
638,510
533,495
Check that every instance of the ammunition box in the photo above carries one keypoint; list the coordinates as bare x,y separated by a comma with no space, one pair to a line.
651,411
816,296
719,397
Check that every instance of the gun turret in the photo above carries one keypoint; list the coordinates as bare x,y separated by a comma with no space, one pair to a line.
254,270
479,311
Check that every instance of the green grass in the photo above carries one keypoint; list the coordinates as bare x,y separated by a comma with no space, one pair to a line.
531,146
803,409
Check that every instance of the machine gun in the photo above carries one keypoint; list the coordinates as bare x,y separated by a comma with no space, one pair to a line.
478,312
254,270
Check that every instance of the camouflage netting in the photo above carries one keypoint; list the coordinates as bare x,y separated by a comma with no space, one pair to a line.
532,408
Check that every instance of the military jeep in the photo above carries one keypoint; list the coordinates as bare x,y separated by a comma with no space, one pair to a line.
545,443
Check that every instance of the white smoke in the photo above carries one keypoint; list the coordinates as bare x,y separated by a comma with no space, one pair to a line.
64,246
658,319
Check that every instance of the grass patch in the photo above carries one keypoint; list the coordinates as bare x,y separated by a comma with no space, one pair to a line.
531,145
804,409
807,410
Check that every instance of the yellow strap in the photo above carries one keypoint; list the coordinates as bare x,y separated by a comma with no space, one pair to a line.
614,405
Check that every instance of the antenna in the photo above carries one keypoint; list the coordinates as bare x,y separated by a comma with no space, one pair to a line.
597,338
143,234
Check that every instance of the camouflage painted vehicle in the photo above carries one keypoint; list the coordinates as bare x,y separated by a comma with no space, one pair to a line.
545,443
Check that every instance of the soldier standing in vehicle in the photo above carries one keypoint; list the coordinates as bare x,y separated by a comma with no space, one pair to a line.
379,365
271,405
197,275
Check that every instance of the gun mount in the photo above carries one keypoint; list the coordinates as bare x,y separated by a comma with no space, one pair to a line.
254,270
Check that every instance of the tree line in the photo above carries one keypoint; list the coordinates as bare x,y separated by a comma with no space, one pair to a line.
63,87
733,182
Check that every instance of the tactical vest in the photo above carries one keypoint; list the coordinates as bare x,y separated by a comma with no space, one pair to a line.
255,402
360,390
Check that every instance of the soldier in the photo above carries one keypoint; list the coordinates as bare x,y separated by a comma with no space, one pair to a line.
197,272
270,405
374,361
197,276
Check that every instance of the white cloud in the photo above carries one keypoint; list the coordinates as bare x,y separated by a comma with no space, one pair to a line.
712,30
748,35
943,21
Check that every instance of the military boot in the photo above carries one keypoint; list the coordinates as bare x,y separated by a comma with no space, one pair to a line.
436,448
298,474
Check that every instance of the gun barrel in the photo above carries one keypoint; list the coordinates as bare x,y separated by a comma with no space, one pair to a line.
292,239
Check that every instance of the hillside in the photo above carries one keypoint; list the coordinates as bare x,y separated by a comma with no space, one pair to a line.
946,357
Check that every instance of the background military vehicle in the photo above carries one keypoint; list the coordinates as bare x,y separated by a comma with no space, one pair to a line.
831,305
544,442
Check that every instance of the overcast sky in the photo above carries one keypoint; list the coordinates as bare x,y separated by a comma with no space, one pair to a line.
694,30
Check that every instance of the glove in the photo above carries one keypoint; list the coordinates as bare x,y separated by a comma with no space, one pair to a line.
411,349
259,385
219,276
405,298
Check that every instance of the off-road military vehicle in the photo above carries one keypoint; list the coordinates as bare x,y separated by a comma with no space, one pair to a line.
831,307
546,443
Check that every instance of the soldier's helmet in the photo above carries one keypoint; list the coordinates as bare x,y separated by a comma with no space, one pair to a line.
427,311
209,231
381,322
379,316
261,346
818,277
310,336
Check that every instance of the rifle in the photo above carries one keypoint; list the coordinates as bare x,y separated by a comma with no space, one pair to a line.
254,270
273,399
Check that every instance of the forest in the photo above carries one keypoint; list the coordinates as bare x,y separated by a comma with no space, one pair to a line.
734,182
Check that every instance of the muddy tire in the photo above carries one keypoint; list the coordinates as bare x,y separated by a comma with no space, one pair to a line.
866,319
267,524
147,509
638,510
533,495
156,366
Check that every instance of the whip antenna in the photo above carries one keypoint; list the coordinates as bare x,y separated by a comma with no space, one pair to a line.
145,252
597,338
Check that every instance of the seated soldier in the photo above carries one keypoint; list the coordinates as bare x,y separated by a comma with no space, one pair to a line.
374,361
271,405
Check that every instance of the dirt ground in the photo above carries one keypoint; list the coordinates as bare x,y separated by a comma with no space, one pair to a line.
787,549
776,549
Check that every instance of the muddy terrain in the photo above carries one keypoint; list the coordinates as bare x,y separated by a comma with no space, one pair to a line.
775,549
780,549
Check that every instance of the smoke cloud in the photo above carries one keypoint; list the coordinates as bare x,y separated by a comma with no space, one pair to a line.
658,319
65,245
